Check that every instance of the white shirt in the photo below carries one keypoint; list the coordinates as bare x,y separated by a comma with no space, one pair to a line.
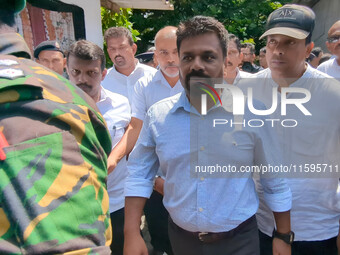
241,74
315,209
176,138
124,85
330,67
116,112
149,90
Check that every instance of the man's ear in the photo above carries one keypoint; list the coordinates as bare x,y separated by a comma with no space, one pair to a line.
104,73
310,46
241,56
134,48
66,67
329,47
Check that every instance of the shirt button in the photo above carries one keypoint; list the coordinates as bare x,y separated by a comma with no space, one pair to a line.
200,209
202,148
202,179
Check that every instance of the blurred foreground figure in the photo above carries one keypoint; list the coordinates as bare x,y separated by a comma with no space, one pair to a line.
53,157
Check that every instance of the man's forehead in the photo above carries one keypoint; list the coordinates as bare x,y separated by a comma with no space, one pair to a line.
203,42
51,53
334,30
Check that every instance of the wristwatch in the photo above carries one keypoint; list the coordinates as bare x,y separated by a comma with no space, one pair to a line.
287,238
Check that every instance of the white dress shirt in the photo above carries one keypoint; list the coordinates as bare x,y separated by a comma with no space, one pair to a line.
315,140
177,139
240,74
124,85
330,67
116,112
149,90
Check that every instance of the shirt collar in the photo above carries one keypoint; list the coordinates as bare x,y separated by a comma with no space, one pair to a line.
183,103
104,96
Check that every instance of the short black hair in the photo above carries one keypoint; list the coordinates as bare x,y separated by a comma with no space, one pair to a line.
236,40
249,46
200,25
117,32
87,50
316,51
7,17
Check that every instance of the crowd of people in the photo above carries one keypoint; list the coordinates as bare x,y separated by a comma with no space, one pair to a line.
85,151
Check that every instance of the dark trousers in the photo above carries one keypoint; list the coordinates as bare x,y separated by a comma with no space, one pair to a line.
324,247
117,223
244,242
157,219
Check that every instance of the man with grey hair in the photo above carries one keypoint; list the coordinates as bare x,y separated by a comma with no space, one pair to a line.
332,66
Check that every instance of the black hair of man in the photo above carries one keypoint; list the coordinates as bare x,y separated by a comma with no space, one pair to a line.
249,46
236,40
7,17
117,32
87,50
200,25
325,57
316,51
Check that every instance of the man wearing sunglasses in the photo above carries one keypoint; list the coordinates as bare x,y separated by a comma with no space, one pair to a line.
332,66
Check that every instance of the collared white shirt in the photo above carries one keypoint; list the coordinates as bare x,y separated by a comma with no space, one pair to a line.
315,140
124,85
176,139
240,74
330,67
115,109
149,90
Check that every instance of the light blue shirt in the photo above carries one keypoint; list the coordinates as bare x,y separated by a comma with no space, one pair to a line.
177,139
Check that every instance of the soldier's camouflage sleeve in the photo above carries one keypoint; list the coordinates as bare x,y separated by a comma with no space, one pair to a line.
53,197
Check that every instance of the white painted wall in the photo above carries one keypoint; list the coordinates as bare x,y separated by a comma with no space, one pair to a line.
93,24
327,13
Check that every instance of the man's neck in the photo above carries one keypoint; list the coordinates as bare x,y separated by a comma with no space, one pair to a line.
127,71
231,76
286,82
338,60
7,29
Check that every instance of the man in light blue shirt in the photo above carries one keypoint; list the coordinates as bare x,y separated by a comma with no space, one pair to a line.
211,207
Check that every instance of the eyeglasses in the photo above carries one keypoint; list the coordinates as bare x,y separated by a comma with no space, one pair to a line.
333,39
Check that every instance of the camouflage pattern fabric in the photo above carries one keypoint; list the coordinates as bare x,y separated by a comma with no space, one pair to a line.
14,44
53,197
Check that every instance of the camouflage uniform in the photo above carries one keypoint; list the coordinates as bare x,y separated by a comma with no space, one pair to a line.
53,196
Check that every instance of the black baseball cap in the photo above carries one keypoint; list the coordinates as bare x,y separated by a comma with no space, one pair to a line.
47,45
293,20
145,57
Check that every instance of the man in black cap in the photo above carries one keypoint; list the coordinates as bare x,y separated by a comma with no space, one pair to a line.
311,143
53,156
49,54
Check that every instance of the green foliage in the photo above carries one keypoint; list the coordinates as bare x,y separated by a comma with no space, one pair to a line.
244,18
121,19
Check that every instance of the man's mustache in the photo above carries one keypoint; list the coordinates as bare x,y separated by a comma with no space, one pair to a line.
83,85
196,74
118,56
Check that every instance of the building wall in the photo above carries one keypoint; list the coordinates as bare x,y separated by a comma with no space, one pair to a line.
93,23
327,12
